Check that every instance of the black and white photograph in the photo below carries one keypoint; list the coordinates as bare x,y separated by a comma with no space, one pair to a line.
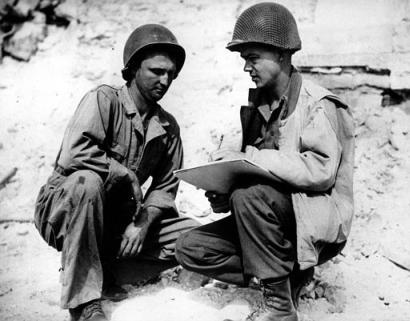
200,160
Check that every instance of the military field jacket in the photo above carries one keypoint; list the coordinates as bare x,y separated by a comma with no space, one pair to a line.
314,157
106,135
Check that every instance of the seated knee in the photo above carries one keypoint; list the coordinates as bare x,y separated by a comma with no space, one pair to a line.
189,250
86,181
242,194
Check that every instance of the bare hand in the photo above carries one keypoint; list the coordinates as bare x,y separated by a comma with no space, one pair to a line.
133,239
219,202
226,154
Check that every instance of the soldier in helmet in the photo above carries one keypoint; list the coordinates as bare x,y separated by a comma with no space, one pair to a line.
92,208
279,229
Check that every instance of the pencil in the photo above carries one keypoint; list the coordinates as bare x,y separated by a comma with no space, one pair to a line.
220,141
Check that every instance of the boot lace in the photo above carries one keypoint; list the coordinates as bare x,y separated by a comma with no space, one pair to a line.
91,309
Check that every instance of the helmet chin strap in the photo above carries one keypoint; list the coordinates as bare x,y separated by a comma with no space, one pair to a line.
124,73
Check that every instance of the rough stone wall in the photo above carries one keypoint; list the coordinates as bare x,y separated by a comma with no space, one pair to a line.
355,45
368,35
346,44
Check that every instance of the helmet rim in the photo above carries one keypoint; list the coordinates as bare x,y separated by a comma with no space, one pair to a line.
266,23
152,37
237,45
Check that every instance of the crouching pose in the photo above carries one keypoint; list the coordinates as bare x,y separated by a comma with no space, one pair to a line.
279,229
91,208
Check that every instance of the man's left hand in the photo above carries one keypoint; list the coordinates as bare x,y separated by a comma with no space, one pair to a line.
219,202
226,154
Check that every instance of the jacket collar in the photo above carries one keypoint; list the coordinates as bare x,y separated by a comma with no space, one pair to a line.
288,100
157,122
157,113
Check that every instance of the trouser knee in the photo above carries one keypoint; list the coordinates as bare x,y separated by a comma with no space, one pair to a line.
61,198
78,205
241,195
244,198
85,184
264,200
190,252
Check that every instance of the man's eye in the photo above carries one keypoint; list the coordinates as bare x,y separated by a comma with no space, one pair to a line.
251,60
158,72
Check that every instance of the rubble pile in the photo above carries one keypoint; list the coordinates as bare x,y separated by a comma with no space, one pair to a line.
23,24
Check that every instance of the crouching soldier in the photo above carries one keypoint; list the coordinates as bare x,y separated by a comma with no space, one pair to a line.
279,229
92,208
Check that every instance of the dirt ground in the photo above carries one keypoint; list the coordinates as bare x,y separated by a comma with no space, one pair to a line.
370,280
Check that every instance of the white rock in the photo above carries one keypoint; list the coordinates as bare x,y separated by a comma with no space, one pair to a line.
24,43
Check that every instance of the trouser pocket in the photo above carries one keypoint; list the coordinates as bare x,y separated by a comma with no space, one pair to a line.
43,209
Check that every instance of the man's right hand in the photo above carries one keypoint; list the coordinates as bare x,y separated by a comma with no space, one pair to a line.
133,239
219,202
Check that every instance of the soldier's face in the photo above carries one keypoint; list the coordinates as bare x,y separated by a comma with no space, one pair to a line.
155,75
263,65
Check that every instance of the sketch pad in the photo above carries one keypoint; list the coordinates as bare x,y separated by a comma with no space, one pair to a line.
219,176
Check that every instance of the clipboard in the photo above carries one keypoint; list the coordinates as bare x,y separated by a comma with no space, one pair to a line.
219,176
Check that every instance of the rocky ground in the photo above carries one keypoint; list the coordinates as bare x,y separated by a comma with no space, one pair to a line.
365,64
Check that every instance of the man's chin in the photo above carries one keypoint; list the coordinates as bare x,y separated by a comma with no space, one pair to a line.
158,94
157,97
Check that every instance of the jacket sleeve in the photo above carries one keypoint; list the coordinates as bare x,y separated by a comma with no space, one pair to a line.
164,186
85,138
314,166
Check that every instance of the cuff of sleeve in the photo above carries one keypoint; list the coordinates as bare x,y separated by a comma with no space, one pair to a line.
160,200
250,152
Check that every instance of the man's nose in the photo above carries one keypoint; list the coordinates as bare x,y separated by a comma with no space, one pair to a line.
247,67
165,79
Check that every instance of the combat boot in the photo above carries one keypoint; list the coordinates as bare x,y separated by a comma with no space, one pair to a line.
90,311
298,280
278,301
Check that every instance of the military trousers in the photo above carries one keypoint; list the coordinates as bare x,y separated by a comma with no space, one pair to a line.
75,215
256,240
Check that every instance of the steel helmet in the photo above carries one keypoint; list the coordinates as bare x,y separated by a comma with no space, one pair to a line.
150,36
266,23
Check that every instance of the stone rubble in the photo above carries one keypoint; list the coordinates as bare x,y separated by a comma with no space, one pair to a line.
23,25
